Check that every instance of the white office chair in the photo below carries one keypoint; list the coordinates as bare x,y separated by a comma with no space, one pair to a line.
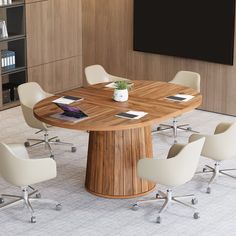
29,94
218,147
188,79
96,74
19,170
176,170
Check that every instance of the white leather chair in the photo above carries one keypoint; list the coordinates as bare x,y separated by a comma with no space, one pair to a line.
188,79
19,170
219,147
29,94
176,170
96,74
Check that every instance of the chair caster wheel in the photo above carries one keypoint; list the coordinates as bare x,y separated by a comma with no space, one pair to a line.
1,200
38,195
208,190
33,219
204,169
158,128
58,140
26,144
157,195
52,156
58,207
73,149
194,201
158,220
135,207
189,128
196,215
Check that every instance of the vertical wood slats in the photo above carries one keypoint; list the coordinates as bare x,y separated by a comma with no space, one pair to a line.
112,162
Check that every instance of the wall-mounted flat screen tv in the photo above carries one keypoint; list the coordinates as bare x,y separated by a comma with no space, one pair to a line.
197,29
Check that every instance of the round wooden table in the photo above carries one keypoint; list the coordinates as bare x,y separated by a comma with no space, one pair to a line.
116,144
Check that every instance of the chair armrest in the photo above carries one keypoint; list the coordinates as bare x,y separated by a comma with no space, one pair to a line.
48,94
19,150
195,137
174,150
222,127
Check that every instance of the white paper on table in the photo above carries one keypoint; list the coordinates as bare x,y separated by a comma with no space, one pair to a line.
183,97
138,114
67,100
111,85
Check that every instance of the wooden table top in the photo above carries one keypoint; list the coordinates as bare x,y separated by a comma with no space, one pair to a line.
145,95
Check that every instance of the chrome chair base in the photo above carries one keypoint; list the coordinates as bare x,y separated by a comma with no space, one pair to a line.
27,199
168,199
216,172
47,142
175,128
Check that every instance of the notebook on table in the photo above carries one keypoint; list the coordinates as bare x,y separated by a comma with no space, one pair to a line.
71,111
180,97
67,100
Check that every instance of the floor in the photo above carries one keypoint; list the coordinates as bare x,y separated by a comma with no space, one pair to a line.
86,214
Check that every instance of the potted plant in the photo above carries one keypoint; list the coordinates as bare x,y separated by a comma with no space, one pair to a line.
121,93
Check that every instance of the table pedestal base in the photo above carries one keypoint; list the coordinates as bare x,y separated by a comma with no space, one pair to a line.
112,161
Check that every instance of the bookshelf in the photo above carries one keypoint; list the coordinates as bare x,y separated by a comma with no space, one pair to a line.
10,77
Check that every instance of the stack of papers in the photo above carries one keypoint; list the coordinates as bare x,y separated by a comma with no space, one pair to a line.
132,114
180,97
67,100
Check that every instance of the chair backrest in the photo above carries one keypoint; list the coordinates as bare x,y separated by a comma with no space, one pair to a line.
17,169
96,74
10,164
174,171
188,79
220,146
29,94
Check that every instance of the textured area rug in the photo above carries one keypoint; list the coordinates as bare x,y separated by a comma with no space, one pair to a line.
86,214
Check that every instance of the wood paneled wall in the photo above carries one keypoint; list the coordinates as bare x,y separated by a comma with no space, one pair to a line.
54,43
107,40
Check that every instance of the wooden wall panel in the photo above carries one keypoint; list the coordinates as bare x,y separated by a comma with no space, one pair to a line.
58,76
107,40
39,31
67,28
54,30
54,43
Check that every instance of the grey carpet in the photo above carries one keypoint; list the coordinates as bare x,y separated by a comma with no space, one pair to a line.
86,214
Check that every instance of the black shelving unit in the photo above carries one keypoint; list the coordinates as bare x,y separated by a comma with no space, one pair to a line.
14,16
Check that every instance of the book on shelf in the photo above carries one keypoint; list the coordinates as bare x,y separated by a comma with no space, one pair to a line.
5,2
8,60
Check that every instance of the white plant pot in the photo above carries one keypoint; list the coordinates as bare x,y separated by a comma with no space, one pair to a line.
121,95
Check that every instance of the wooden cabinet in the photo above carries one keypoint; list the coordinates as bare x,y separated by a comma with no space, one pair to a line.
39,31
54,43
13,53
59,75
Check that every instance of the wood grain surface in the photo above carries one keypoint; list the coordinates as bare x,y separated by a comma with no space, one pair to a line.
147,96
116,144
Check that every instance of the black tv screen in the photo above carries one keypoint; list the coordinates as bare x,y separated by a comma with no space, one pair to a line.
197,29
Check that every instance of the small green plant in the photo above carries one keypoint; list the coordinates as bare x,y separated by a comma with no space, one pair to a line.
120,85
